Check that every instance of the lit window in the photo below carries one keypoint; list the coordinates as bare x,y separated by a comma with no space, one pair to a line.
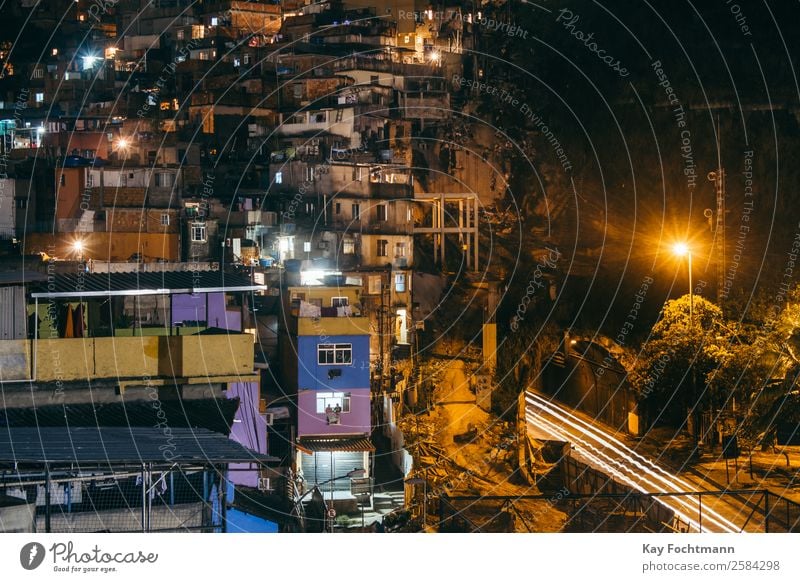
279,177
356,208
164,179
349,247
400,282
332,404
180,35
339,302
383,246
214,21
40,97
55,51
400,249
198,232
164,219
306,247
335,354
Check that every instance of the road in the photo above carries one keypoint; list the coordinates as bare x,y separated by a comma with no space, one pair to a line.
598,447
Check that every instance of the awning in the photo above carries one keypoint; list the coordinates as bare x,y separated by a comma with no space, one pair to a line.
348,444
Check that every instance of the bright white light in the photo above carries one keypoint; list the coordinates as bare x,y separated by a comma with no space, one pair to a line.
40,129
122,143
77,246
680,249
89,61
314,277
435,56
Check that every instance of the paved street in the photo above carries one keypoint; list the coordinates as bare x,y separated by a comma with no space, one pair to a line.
612,454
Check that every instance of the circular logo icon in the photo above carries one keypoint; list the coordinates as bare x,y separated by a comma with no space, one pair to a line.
31,555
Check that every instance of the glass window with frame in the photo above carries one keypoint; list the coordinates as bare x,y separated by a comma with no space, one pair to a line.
383,246
335,354
356,209
333,400
382,214
198,232
339,302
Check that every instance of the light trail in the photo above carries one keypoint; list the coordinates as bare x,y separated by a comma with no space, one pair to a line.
615,458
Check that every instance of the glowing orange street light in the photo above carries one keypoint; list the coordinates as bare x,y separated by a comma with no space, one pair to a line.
681,249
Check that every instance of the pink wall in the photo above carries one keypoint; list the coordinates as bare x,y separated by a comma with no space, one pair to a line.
354,422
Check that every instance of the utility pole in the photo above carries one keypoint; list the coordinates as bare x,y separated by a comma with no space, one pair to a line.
718,177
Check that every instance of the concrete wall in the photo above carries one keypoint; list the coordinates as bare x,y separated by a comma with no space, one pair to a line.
314,376
358,420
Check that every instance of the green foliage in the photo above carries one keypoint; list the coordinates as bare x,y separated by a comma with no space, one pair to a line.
701,360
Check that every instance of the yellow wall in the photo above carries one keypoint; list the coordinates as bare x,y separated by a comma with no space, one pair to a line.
333,326
107,246
77,359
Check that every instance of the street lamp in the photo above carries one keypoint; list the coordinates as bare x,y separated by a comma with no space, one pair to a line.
77,246
681,249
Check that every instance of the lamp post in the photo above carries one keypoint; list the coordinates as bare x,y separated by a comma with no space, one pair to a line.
681,250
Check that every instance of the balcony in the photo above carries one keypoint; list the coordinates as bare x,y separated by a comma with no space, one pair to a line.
207,357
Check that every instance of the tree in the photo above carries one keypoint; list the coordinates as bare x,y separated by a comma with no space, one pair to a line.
691,364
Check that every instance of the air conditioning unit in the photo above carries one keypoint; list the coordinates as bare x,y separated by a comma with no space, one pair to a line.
269,418
264,484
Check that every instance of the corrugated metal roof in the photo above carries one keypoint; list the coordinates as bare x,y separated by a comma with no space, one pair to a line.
114,445
348,444
215,414
163,283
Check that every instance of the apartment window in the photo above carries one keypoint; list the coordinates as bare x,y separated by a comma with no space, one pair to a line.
337,208
180,35
356,208
383,246
306,247
339,302
279,177
214,21
382,212
164,219
334,354
310,173
164,179
297,90
198,232
333,400
38,73
89,181
40,97
349,247
400,249
400,282
246,59
373,79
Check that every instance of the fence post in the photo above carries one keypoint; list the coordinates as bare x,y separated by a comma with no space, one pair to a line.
700,497
47,497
